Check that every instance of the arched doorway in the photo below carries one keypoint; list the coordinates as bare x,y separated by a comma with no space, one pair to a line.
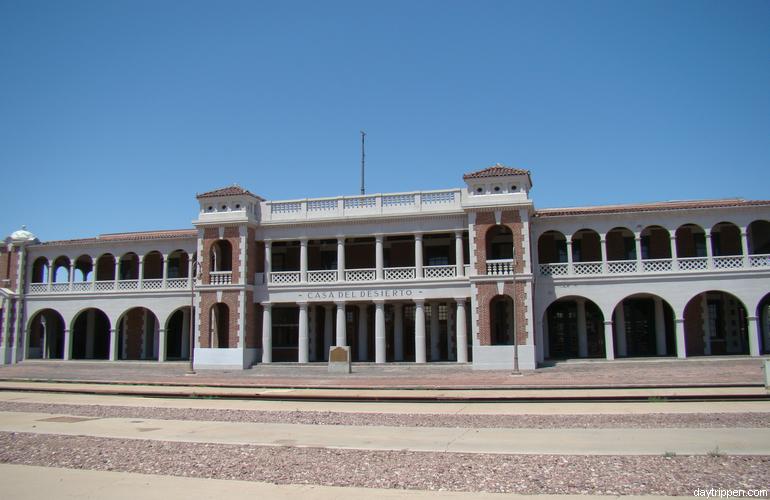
643,325
178,335
715,323
46,335
91,335
219,326
575,329
501,320
138,335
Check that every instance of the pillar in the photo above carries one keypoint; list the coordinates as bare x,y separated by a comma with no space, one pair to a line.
71,278
459,257
660,328
93,273
745,246
328,327
303,341
341,339
609,343
190,264
461,332
379,331
450,327
50,275
674,255
161,345
681,348
117,271
620,329
379,258
268,260
419,331
341,258
398,331
67,344
303,260
165,270
603,248
267,333
581,326
418,255
753,332
363,335
312,345
709,250
568,237
435,333
113,344
638,250
141,271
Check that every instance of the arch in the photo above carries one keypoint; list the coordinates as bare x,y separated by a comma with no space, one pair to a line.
499,240
726,239
643,325
40,270
715,322
105,267
83,268
758,234
129,267
152,266
178,264
221,256
763,324
178,334
586,246
45,335
551,248
621,244
90,334
501,320
656,243
61,269
138,335
566,336
219,326
690,241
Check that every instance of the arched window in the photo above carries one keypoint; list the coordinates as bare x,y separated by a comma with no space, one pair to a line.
759,237
552,248
690,241
221,256
725,239
621,244
656,243
499,243
40,270
501,320
219,326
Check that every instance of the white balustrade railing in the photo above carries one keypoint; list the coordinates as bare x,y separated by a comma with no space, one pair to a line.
128,285
759,260
500,267
60,287
105,286
433,272
38,288
360,274
621,266
728,262
177,283
152,284
81,286
587,268
684,264
322,276
692,263
220,277
656,265
399,273
283,277
554,269
109,286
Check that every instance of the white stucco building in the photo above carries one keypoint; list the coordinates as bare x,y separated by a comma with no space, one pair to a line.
456,275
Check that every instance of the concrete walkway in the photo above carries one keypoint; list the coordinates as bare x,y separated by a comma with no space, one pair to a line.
24,482
734,441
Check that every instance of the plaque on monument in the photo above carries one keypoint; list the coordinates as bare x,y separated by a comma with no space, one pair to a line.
339,359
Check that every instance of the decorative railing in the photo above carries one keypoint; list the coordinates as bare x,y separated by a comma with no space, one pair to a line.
177,283
322,276
128,285
282,277
621,266
583,268
693,263
433,272
109,286
759,260
500,267
38,288
555,269
153,284
730,262
360,274
399,273
644,266
220,277
656,265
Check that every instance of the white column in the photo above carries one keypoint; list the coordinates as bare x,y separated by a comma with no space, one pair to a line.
603,248
674,255
745,246
303,342
67,344
418,255
71,276
303,260
398,331
190,260
268,260
141,271
620,329
379,331
419,331
328,327
459,257
462,332
581,325
363,335
267,333
638,249
341,339
165,270
609,343
681,349
435,352
379,258
568,237
753,332
161,345
93,273
117,271
50,275
113,344
709,250
341,258
660,328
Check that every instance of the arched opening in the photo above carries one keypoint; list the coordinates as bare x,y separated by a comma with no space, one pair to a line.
40,270
91,335
221,256
499,240
61,269
105,268
575,327
178,335
643,325
138,335
178,264
758,234
219,326
152,266
129,267
551,248
621,244
690,241
763,320
46,335
586,246
83,268
656,243
501,320
725,239
715,323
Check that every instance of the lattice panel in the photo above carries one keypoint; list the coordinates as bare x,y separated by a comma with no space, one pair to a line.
81,286
282,277
60,287
152,284
397,200
439,271
692,264
128,285
442,197
321,276
759,260
360,275
105,286
285,208
656,266
621,266
321,205
400,273
732,262
176,283
587,268
38,288
553,269
368,202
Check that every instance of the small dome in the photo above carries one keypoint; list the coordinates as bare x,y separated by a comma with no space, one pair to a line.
23,236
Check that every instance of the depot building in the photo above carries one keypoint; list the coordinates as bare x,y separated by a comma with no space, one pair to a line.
474,275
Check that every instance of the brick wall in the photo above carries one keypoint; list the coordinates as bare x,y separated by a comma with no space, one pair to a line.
9,262
484,222
487,292
208,299
232,235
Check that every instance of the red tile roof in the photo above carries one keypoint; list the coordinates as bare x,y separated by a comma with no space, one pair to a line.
651,207
137,236
496,170
234,190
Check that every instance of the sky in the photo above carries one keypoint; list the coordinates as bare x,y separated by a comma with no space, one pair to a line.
114,114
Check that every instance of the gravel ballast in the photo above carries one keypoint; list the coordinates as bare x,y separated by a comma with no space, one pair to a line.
643,421
526,474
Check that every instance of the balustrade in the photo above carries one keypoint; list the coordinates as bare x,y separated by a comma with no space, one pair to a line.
439,271
500,267
360,274
400,273
322,276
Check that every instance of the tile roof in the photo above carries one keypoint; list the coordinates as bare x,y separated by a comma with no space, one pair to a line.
496,170
651,207
234,190
137,236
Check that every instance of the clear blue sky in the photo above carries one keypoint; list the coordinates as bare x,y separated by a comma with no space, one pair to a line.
113,114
